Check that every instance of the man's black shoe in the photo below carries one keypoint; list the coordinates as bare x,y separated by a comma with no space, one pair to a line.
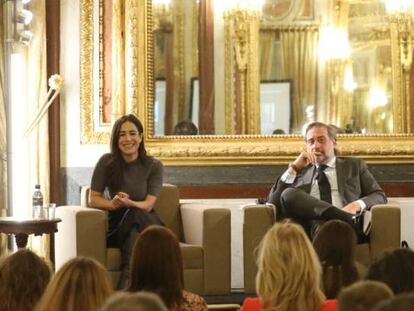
362,222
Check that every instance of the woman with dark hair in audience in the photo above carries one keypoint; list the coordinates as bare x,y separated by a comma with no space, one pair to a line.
335,243
23,279
80,284
157,266
126,183
289,273
396,269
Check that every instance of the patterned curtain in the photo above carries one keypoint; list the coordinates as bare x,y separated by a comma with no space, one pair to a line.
266,50
299,52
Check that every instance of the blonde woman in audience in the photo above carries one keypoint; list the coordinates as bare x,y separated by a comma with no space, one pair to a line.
289,273
157,266
23,279
142,301
80,284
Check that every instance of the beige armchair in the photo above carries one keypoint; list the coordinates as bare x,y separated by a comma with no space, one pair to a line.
204,232
385,233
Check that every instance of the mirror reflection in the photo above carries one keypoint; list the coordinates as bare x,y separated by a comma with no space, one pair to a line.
225,68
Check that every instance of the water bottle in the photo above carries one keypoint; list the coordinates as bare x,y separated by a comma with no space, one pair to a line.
37,203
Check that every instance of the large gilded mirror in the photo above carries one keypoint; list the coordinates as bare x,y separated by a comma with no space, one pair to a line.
240,73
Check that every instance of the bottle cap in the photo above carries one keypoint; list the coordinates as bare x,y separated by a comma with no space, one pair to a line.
37,186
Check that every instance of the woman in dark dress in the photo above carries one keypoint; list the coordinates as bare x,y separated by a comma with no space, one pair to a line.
126,183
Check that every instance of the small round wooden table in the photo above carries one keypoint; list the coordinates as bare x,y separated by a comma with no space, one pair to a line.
21,228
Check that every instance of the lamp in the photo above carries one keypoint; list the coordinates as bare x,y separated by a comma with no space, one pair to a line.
21,19
24,37
399,6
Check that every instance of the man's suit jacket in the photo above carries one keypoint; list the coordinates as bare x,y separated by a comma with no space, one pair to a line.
354,182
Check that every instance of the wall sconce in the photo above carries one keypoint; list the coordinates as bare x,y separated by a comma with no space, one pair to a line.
334,44
25,37
24,17
17,21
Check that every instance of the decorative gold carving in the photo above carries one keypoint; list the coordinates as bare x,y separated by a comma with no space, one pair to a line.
265,150
241,48
194,38
93,132
89,124
228,77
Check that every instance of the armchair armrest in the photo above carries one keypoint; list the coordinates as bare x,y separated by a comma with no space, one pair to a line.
82,232
386,228
209,226
258,218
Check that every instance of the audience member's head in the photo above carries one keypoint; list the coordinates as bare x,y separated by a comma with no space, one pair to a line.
186,127
157,266
140,301
404,302
363,296
396,269
337,129
335,243
289,271
80,284
23,279
278,132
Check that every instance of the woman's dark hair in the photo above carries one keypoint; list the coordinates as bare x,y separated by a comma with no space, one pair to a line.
335,243
156,265
395,268
117,162
23,279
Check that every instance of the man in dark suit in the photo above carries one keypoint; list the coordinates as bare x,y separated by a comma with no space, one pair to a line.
320,186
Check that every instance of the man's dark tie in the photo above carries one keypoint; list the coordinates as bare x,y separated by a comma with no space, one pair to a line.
323,183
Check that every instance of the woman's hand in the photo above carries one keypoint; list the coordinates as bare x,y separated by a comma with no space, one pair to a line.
117,202
124,200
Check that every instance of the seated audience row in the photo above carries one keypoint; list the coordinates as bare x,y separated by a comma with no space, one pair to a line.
289,271
83,284
289,276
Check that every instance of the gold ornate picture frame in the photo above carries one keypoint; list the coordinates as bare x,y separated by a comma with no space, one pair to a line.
212,149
